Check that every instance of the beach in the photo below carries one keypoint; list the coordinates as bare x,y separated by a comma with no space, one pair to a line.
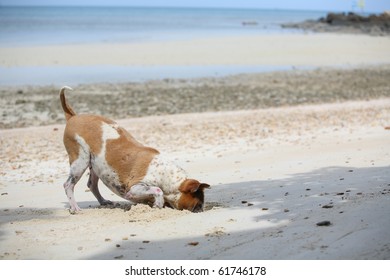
298,160
275,175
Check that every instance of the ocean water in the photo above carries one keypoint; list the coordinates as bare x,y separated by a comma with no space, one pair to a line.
34,26
69,25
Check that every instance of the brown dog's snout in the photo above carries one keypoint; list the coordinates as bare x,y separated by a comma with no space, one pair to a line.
198,208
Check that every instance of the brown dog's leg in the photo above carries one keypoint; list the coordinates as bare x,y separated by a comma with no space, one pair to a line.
77,169
69,190
93,186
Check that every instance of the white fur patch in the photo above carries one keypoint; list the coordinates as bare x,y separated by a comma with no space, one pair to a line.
164,174
99,164
81,163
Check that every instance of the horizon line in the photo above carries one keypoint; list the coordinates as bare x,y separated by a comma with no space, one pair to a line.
177,7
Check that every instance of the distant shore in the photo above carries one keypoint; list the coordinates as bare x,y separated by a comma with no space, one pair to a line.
374,25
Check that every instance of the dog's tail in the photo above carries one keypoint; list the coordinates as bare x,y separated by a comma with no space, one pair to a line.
65,106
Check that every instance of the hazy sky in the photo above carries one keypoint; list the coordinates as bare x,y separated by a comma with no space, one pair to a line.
325,5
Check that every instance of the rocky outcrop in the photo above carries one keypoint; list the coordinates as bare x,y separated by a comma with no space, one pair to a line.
376,25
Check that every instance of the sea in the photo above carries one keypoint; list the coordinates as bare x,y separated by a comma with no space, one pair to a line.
35,26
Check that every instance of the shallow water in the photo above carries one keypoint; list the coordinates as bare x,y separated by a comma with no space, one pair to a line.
74,75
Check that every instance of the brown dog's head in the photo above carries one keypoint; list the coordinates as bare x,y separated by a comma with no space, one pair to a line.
192,196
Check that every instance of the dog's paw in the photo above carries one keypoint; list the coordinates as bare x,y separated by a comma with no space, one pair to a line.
157,205
106,202
158,202
74,211
158,197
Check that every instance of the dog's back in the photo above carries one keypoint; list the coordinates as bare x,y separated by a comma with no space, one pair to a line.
95,134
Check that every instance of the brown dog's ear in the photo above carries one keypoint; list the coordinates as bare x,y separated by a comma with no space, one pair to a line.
191,185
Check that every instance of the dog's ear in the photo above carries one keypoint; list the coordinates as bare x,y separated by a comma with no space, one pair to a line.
191,185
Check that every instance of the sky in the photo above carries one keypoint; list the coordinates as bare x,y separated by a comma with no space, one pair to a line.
320,5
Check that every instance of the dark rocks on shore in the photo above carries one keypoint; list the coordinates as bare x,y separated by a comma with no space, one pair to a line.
249,22
375,25
39,105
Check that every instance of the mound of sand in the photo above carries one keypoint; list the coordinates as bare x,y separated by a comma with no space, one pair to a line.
142,213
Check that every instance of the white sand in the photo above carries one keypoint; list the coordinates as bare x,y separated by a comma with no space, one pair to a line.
286,50
271,171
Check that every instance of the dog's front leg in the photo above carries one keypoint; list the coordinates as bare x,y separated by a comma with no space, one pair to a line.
141,192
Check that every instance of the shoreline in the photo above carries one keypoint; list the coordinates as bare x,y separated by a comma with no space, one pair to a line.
99,74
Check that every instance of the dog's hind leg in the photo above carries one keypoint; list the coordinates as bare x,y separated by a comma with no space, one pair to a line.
77,169
93,186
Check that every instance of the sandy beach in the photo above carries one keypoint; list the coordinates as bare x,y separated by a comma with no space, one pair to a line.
275,174
298,160
301,50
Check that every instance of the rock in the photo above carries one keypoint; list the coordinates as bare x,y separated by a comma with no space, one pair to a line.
375,25
324,223
250,22
327,206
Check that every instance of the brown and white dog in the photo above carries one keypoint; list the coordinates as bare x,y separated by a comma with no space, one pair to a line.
128,168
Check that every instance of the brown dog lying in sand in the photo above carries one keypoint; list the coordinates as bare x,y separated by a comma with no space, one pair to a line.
128,168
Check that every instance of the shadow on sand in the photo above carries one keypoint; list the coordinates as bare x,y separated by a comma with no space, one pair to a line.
265,219
279,220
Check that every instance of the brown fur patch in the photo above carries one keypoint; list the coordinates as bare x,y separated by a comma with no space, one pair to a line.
192,195
129,158
87,127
